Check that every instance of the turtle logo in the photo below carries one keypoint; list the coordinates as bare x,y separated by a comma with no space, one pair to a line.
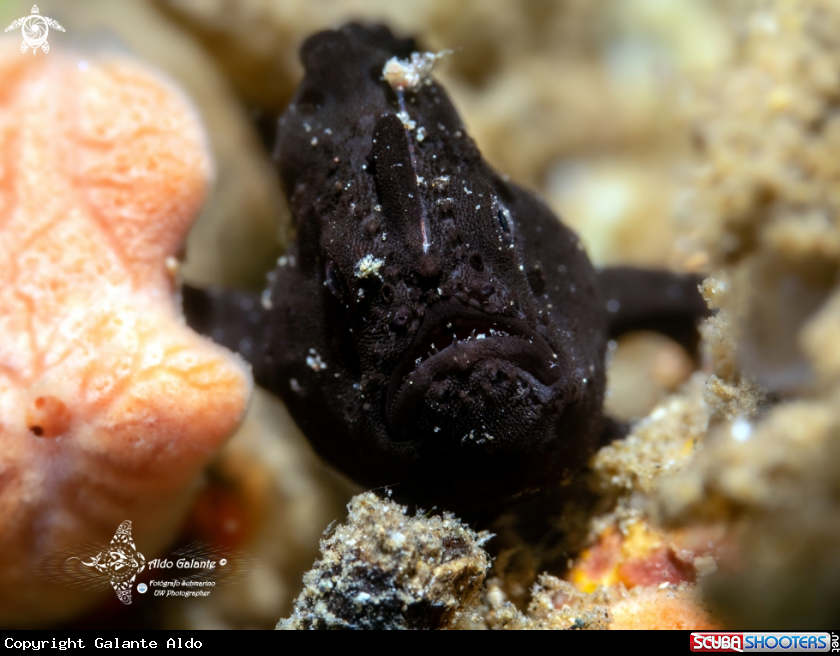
121,562
35,29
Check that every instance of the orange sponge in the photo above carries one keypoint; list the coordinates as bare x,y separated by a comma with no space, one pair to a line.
109,404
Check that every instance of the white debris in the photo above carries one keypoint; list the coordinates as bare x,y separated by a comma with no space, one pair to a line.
410,73
741,430
314,361
406,120
369,266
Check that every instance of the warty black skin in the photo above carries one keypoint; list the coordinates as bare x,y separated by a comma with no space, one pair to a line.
394,254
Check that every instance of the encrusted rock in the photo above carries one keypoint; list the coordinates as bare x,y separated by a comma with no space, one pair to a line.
383,569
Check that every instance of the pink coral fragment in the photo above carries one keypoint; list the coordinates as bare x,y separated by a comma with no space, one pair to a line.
109,404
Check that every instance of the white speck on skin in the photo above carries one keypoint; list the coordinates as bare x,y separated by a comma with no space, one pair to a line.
406,120
265,299
613,306
421,133
294,385
307,127
314,361
314,141
369,266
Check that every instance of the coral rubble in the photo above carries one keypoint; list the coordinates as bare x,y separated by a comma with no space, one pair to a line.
386,570
766,211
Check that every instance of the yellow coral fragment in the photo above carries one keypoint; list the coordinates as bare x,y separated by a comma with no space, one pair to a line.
109,404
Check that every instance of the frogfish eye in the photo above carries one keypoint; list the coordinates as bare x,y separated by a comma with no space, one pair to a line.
387,293
334,280
505,220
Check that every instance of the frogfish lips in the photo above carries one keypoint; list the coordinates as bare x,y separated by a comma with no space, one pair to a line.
478,380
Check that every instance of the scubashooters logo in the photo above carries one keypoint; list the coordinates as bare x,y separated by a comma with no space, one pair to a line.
121,563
